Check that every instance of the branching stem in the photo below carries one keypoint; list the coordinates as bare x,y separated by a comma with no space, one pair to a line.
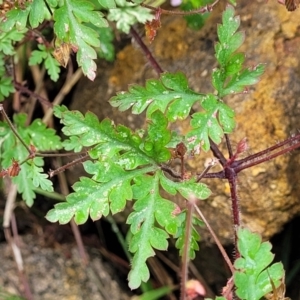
27,91
201,10
68,165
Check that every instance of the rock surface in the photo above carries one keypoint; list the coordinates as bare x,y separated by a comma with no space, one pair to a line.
58,273
269,193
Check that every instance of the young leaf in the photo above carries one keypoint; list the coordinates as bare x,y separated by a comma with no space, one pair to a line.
127,14
181,234
216,120
51,64
6,87
230,77
70,28
170,94
253,276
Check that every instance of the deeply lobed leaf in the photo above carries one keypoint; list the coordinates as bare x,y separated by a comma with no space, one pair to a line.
129,149
146,235
31,174
170,94
70,28
107,191
127,14
216,119
231,77
51,64
254,275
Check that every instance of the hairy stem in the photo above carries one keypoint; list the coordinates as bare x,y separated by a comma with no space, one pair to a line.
228,144
292,141
68,165
185,254
146,51
217,153
232,179
217,241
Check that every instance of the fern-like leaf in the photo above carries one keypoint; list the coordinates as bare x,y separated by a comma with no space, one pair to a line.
170,94
108,189
216,119
69,27
180,235
51,64
149,207
231,77
31,174
127,14
107,140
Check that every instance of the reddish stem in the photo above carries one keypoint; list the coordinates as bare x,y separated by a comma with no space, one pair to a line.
146,51
201,10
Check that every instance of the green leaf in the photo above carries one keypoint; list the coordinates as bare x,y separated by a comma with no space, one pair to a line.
170,94
7,39
216,120
158,137
127,14
6,87
195,21
43,138
185,188
38,13
31,174
15,17
106,49
107,4
52,3
69,27
37,56
231,77
52,67
51,64
146,235
95,197
181,235
120,143
254,275
156,293
241,79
